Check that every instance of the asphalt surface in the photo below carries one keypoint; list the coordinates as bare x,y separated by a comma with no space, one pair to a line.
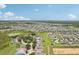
38,48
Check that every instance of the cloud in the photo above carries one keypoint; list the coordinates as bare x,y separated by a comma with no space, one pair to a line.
36,10
8,14
2,6
14,18
28,19
11,16
0,12
0,16
50,6
72,17
21,18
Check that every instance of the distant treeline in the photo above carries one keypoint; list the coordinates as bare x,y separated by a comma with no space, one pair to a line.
38,21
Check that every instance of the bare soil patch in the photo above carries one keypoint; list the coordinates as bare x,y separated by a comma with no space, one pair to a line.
71,51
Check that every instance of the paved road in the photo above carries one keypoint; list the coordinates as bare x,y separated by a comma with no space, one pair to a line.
38,48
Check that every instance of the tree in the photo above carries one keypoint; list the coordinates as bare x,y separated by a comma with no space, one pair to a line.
33,33
28,46
28,39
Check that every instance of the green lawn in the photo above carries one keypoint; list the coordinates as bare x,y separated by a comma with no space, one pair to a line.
8,50
5,48
58,45
46,42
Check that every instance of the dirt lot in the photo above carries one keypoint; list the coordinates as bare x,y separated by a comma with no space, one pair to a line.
66,51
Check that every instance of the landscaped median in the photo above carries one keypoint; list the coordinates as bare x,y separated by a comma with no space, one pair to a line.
46,43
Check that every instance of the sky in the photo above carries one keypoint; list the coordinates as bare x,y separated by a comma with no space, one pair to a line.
39,12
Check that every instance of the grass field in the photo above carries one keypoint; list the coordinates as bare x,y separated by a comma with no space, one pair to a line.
46,43
58,45
8,50
6,47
